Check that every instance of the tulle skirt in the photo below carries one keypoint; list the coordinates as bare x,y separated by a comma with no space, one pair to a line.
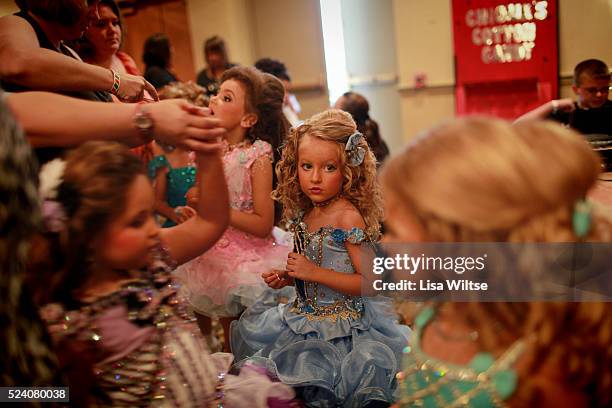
226,279
347,362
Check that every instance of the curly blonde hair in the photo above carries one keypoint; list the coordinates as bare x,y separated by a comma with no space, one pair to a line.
360,186
484,180
481,179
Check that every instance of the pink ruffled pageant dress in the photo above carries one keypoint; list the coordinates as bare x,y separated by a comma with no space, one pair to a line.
227,278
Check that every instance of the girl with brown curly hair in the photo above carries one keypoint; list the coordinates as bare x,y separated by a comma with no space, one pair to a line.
114,311
483,180
227,279
326,340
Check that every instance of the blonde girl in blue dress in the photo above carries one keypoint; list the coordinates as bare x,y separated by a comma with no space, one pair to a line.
333,345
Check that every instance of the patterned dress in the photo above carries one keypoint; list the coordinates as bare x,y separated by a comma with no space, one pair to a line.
485,382
335,349
148,350
227,278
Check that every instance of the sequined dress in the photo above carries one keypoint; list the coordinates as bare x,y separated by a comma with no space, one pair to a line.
485,382
180,180
227,278
148,350
335,350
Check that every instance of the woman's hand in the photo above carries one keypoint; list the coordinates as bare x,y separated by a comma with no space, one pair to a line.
300,267
276,279
177,122
132,88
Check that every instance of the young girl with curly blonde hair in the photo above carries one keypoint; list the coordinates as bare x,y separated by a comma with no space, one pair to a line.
334,346
483,180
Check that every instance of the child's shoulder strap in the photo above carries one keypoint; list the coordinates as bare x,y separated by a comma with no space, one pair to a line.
258,149
156,163
353,236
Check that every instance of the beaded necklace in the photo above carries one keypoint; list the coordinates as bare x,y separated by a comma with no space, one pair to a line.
327,202
426,381
227,147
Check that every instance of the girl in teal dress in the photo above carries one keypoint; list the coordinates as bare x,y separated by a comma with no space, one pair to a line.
484,180
174,173
333,345
173,168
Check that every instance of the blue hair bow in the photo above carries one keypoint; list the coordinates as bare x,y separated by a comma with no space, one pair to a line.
354,152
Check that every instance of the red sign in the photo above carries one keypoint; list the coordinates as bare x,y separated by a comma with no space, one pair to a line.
505,54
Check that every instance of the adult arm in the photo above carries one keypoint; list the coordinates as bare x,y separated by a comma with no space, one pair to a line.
545,110
56,120
25,63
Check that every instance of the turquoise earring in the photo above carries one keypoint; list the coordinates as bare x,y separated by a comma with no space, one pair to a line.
581,219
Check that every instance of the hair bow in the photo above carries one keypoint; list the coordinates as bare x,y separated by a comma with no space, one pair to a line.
58,198
354,152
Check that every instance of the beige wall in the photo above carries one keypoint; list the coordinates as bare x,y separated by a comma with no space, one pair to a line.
286,30
576,42
226,18
374,78
290,31
7,7
424,44
423,37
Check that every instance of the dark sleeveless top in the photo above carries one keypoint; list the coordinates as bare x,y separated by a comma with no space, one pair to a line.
46,154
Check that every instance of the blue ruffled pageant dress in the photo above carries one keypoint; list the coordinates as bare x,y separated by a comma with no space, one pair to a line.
334,349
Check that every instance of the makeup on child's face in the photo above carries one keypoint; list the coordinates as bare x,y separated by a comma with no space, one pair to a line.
130,237
105,32
229,104
319,169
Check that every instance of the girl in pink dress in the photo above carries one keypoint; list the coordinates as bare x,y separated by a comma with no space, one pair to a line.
226,279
